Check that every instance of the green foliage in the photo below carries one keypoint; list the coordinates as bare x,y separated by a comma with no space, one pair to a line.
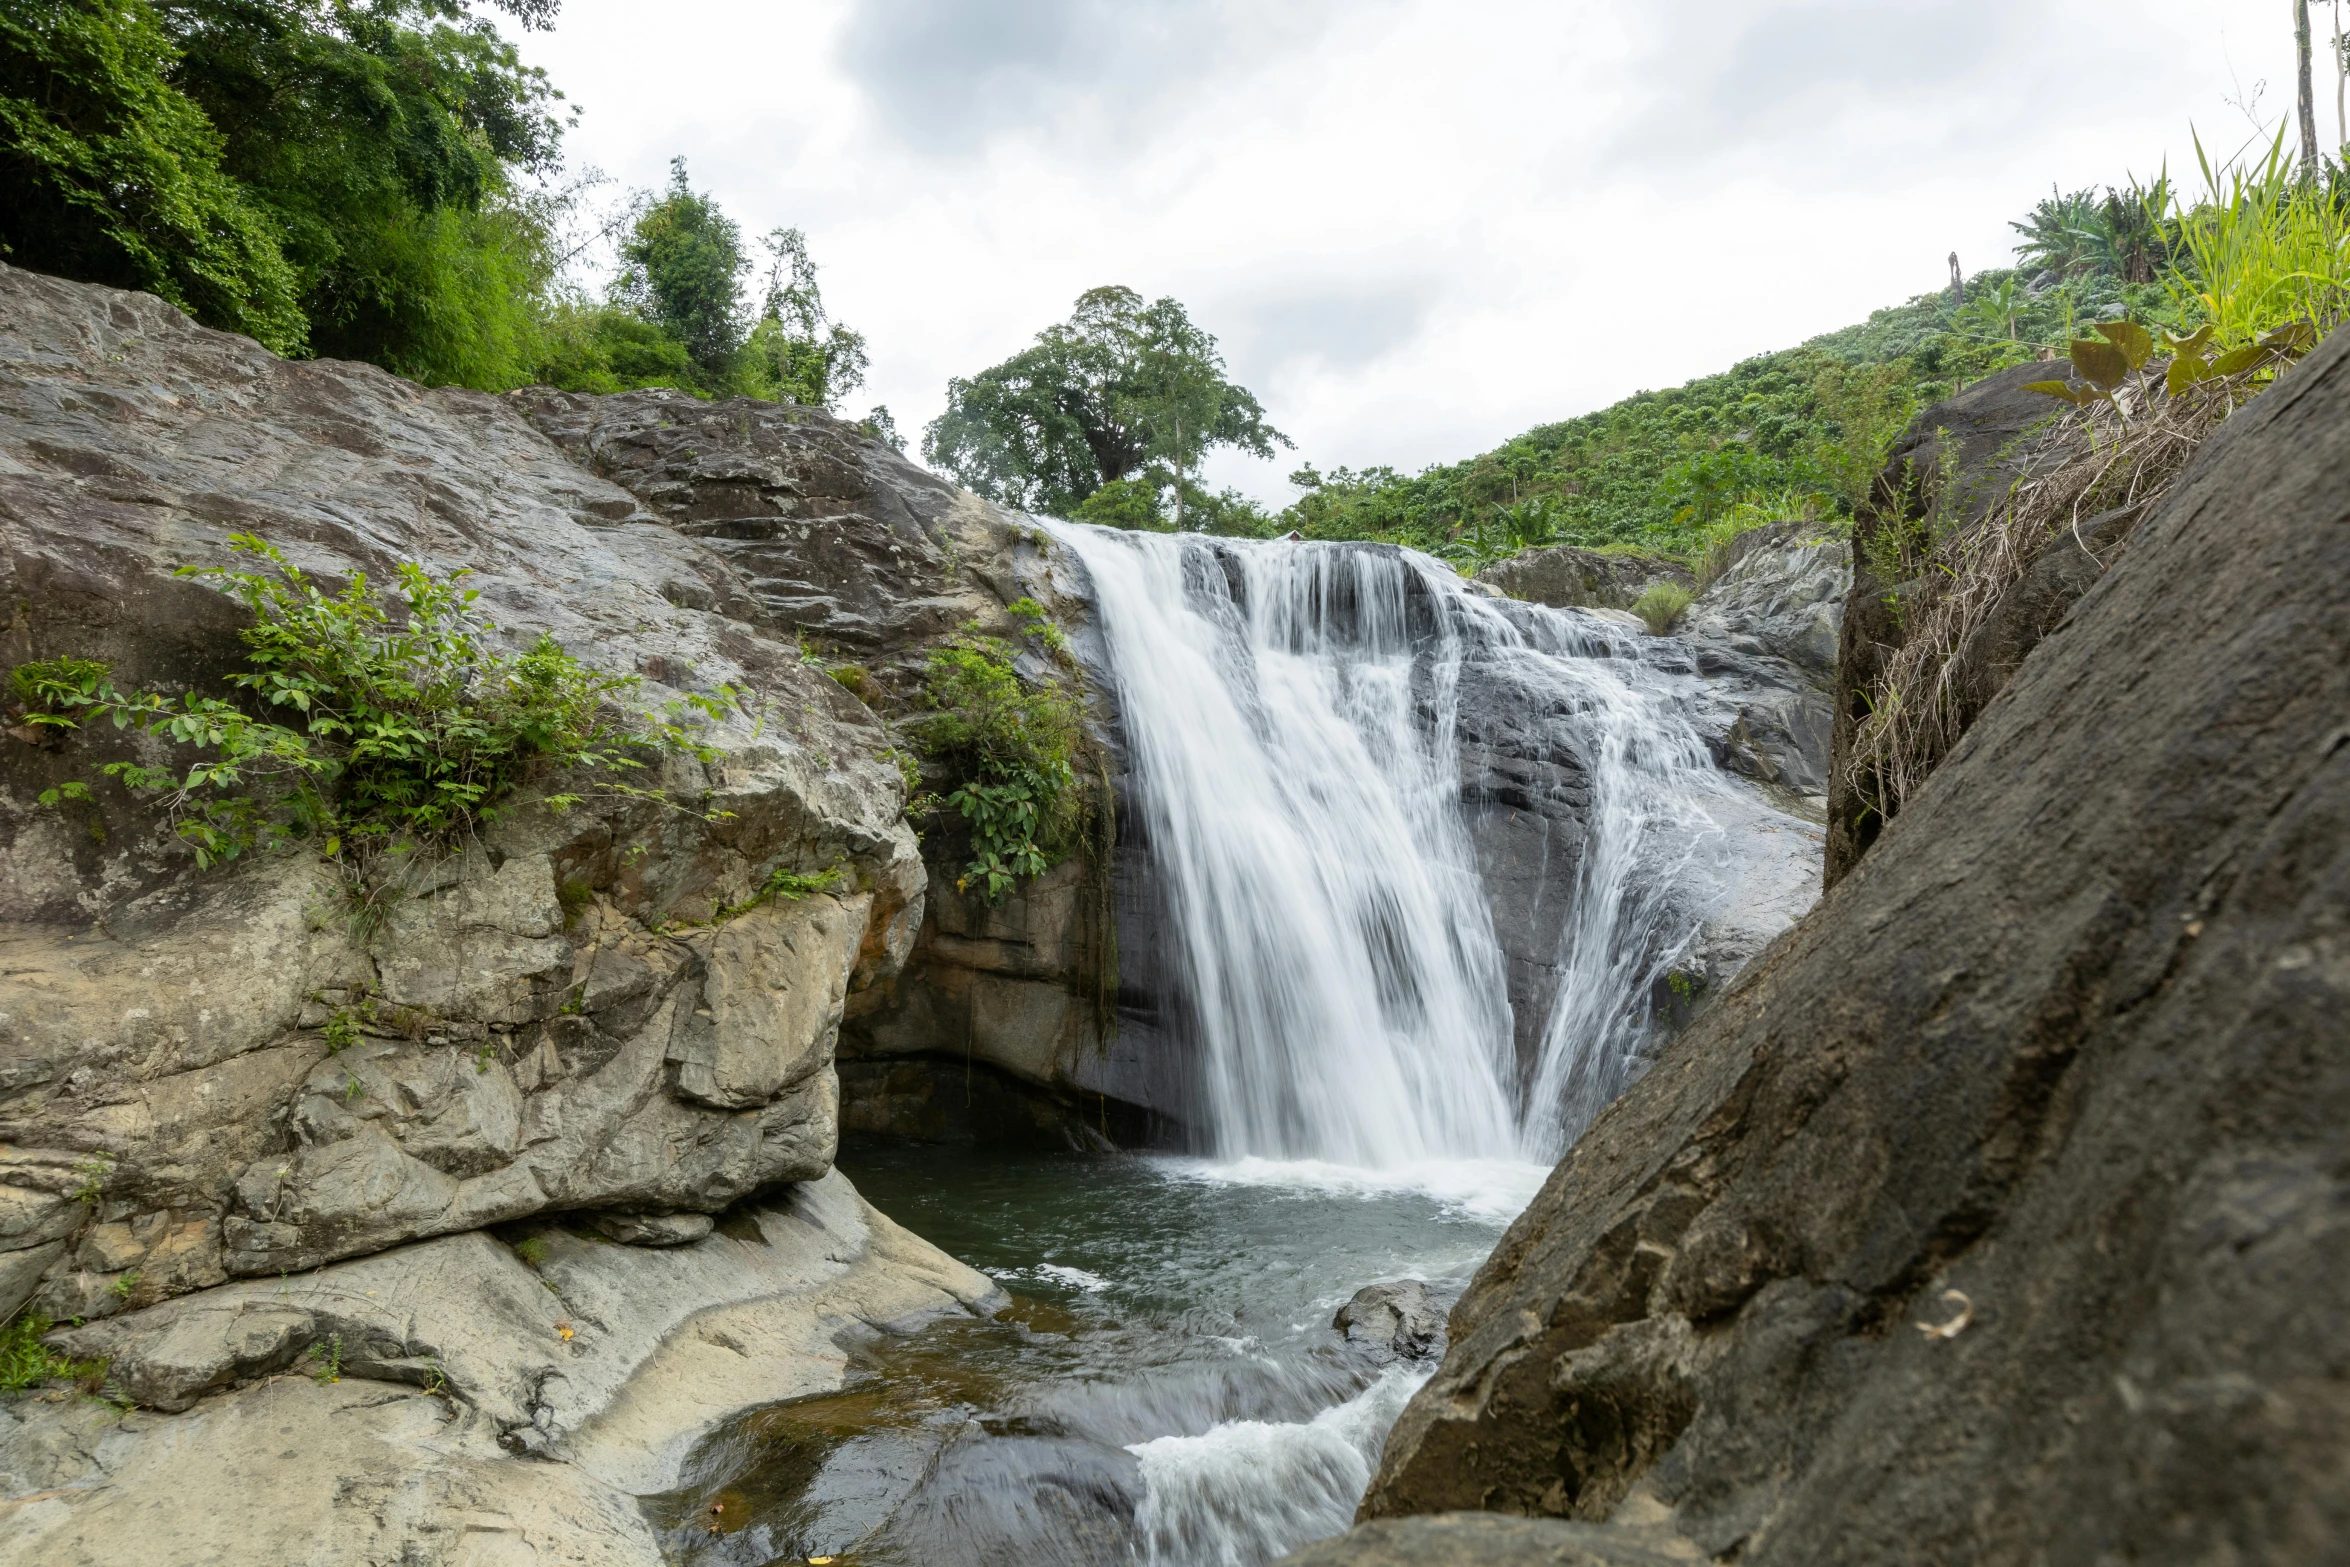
398,732
796,353
26,1363
1035,622
1008,750
113,175
788,885
1661,604
2263,250
326,1361
1119,388
532,1251
682,267
1134,504
95,1169
608,348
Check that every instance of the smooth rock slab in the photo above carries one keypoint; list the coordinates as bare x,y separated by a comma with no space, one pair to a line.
608,1362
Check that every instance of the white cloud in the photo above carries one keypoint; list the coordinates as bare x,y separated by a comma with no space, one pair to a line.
1419,226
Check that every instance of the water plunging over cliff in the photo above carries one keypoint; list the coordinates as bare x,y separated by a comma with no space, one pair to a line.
1336,755
1292,712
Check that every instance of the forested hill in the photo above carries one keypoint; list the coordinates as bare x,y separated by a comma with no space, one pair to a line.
1795,433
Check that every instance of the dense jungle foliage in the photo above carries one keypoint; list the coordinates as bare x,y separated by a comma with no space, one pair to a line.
379,180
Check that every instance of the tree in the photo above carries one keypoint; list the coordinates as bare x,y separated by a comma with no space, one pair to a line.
113,176
682,267
1121,390
796,353
334,176
386,139
2307,100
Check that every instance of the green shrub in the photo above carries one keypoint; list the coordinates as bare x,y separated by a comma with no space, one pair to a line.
788,885
27,1363
1008,749
402,733
114,176
1035,622
1661,605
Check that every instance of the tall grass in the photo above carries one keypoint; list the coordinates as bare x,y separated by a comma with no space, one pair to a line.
2262,249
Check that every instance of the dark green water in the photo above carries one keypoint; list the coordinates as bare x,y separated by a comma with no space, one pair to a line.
1165,1385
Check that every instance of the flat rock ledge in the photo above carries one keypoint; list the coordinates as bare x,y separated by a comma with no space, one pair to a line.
451,1401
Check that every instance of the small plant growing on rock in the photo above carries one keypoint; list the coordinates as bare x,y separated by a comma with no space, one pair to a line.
533,1251
1036,623
27,1363
1010,748
1661,605
327,1361
395,731
94,1168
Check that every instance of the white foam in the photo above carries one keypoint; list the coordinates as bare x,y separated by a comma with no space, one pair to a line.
1248,1491
1486,1191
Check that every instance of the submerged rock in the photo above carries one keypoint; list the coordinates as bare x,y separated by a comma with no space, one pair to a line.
1998,1213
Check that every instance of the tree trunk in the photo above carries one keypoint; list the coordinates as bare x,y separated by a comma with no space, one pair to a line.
2309,163
2341,84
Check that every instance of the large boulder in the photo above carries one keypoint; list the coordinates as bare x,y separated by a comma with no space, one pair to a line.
239,1070
261,1117
1998,1213
1565,576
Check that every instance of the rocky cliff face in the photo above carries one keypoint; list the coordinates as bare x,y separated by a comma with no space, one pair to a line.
1996,1214
575,1026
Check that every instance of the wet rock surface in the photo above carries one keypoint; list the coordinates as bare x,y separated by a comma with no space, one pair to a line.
1997,1213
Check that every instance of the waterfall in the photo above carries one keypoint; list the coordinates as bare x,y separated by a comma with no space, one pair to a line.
1290,711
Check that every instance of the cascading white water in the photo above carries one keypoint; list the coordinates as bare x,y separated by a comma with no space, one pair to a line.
1343,978
1299,720
1291,712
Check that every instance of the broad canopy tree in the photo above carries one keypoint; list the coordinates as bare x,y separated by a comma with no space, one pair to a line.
1123,393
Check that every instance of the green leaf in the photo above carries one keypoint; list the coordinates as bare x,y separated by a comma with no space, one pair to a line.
2238,360
2136,344
2101,364
2193,344
2184,372
2061,389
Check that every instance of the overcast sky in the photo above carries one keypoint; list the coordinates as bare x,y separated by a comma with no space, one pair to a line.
1418,226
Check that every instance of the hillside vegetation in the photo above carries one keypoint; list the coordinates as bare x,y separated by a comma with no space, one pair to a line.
1802,433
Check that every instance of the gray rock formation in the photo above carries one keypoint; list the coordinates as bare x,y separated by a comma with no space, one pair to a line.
1399,1318
230,1074
376,1403
1997,1213
1566,577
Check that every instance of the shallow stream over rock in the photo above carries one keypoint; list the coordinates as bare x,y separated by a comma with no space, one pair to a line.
1166,1385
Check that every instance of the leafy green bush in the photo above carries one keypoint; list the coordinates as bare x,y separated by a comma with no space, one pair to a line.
1008,749
405,732
113,175
1661,605
27,1363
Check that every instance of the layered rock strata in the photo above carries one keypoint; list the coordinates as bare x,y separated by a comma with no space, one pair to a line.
593,1023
